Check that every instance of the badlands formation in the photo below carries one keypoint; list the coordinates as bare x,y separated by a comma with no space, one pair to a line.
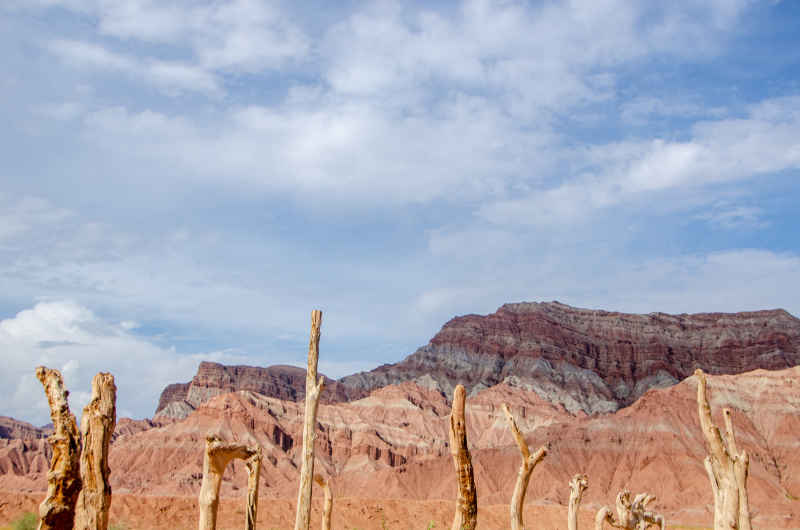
612,394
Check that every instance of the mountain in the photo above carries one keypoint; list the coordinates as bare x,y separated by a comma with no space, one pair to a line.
587,360
393,445
11,428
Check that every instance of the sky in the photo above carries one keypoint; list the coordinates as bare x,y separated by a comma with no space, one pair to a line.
185,180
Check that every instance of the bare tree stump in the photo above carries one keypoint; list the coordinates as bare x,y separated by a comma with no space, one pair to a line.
726,466
313,390
216,458
466,516
631,514
577,486
529,462
253,473
327,507
57,511
97,425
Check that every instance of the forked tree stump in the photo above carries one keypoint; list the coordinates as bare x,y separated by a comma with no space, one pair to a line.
253,464
97,426
313,391
57,511
529,462
577,486
218,455
327,506
631,514
466,515
726,466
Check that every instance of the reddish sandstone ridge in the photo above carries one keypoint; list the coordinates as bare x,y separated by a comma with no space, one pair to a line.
591,360
392,445
11,428
284,382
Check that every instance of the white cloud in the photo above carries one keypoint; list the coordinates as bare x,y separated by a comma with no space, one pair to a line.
720,151
69,337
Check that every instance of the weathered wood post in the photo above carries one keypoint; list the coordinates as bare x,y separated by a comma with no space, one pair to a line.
313,391
253,464
97,426
57,511
529,462
577,486
631,514
466,516
217,455
327,507
726,466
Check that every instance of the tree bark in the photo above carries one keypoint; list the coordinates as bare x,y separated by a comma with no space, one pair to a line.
529,462
577,486
726,466
97,426
57,511
216,458
327,507
253,464
313,390
466,515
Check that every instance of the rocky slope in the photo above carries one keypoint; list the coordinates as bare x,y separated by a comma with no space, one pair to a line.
590,360
284,382
393,445
11,428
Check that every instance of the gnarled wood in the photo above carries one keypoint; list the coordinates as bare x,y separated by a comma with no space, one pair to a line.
577,486
727,467
313,390
529,462
253,464
216,458
57,511
631,514
327,507
466,516
97,426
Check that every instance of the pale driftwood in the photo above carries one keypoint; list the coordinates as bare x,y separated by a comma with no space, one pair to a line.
577,486
313,391
727,467
253,464
217,455
57,511
466,516
97,426
631,514
529,462
327,507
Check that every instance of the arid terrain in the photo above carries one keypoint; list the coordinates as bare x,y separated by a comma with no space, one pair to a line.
609,393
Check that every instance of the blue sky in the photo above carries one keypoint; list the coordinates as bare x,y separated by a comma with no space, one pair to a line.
186,180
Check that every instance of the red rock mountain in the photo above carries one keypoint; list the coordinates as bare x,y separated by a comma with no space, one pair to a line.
11,428
393,445
586,360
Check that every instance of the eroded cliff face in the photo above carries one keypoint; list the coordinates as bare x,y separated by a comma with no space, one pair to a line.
11,428
283,382
590,360
393,445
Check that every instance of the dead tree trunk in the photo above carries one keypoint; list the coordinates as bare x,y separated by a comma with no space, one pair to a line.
253,473
327,507
577,486
313,390
529,462
466,516
217,456
631,515
726,466
97,425
57,511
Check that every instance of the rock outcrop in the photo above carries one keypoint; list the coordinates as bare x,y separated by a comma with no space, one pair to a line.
283,382
590,360
11,428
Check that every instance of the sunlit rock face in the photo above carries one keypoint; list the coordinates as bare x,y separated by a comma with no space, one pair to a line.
591,360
